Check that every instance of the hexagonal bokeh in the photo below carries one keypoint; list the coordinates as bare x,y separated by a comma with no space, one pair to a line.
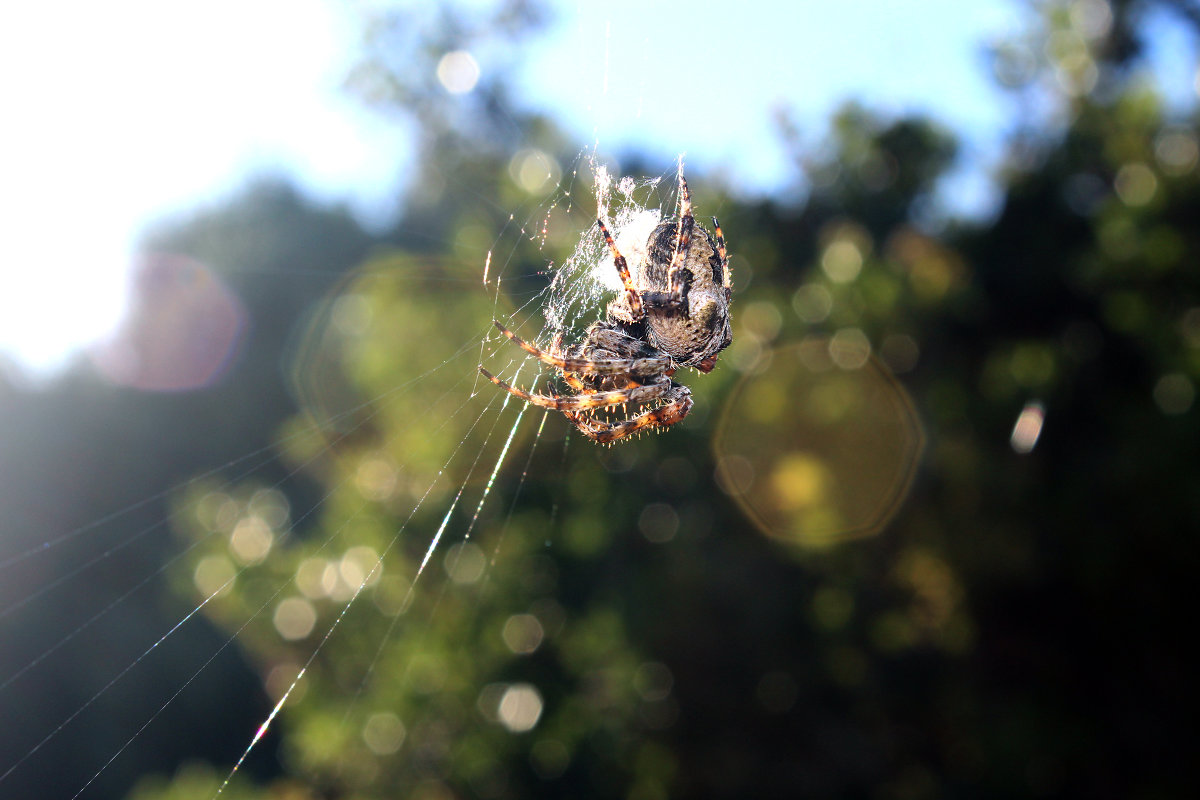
819,444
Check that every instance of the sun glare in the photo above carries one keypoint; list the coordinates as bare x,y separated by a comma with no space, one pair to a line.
123,113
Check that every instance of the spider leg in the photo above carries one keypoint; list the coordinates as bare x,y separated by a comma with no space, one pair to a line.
624,366
556,350
686,223
676,295
662,417
579,402
725,271
635,301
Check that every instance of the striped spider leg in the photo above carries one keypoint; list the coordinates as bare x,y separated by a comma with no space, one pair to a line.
646,379
671,312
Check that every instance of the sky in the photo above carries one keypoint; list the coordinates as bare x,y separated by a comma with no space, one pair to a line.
129,111
806,57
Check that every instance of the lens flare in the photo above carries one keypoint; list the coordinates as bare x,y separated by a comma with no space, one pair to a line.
181,332
818,451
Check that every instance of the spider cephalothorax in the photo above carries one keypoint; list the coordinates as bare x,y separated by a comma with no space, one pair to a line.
673,312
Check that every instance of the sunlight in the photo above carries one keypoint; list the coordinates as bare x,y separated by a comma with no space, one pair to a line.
136,109
53,301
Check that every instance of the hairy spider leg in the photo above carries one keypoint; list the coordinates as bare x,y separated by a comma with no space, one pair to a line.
683,241
635,300
662,417
574,417
722,254
556,350
624,366
635,394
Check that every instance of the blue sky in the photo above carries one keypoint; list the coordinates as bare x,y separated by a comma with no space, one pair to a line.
134,109
736,62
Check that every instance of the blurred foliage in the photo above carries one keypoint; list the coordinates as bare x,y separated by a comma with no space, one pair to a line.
1013,631
87,470
1002,637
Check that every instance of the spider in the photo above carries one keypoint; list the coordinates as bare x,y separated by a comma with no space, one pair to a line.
673,312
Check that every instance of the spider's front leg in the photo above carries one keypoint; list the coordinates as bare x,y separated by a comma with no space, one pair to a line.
726,273
631,292
676,295
675,298
683,241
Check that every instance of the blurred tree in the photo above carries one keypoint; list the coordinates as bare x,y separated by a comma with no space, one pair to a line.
613,627
74,452
1006,636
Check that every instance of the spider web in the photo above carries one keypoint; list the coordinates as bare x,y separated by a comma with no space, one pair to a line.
242,523
590,274
236,507
583,283
441,502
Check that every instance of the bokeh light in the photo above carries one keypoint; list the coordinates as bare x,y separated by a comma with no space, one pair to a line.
360,566
251,540
1174,393
294,618
822,446
1135,184
458,72
465,562
535,171
520,707
653,681
523,633
181,331
1028,427
214,575
384,733
314,579
658,522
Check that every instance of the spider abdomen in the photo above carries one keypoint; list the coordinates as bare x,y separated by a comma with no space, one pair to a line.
694,330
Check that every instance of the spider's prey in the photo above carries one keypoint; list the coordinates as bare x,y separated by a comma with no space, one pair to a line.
673,312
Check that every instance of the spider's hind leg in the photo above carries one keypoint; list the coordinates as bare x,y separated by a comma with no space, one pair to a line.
647,364
644,393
